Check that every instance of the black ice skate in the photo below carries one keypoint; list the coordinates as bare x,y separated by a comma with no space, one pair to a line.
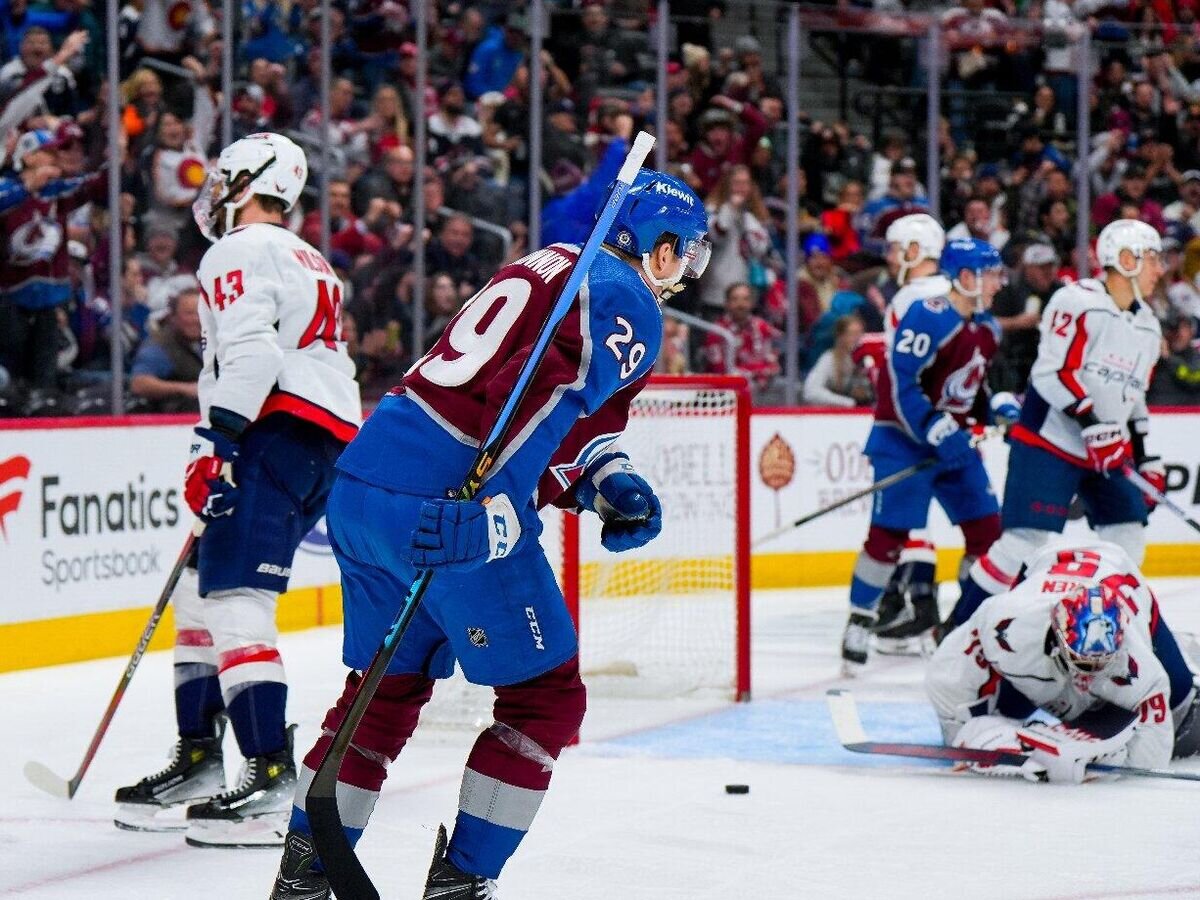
448,882
157,802
910,630
297,879
856,641
255,812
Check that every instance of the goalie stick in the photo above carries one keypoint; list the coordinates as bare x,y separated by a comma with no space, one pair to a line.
846,722
882,484
39,775
346,874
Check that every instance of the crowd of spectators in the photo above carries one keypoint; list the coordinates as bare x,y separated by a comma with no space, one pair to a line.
725,134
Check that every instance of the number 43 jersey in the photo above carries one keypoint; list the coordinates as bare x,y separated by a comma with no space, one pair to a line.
270,320
423,437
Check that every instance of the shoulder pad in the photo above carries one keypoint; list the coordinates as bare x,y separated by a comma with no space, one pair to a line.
1086,294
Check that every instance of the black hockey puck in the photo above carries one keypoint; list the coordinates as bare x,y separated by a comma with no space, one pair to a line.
737,788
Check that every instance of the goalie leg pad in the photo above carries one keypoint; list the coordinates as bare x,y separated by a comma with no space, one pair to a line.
253,684
390,720
509,769
197,690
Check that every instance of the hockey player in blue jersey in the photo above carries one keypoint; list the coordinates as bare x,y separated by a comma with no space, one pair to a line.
933,384
494,606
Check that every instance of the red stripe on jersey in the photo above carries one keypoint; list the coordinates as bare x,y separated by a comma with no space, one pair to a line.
995,572
1074,361
252,654
1033,439
281,402
193,637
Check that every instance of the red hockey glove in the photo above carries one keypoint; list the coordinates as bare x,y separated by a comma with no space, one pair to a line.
1152,470
1106,446
209,487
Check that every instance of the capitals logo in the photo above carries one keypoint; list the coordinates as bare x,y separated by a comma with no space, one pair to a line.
961,385
12,470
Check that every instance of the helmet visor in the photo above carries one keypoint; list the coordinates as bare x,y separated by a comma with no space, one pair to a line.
207,205
696,254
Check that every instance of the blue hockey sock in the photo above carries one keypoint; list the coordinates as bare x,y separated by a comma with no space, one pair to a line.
864,597
973,594
256,714
482,848
197,699
299,823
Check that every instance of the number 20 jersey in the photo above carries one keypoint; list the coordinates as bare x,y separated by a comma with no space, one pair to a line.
423,437
270,320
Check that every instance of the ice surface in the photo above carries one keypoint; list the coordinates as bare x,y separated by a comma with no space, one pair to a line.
638,810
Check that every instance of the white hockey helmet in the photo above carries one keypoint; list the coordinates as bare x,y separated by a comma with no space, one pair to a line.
921,229
1126,234
263,163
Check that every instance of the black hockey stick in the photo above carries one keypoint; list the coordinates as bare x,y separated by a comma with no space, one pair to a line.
880,485
1140,482
39,775
848,726
347,876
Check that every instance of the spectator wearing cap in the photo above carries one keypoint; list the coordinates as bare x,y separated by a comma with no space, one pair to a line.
1018,308
454,136
905,196
167,365
249,111
34,266
1132,190
495,60
819,272
1186,209
757,83
1176,379
720,148
36,60
738,234
756,356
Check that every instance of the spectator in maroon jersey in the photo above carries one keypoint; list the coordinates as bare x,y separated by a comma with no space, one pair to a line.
755,356
720,147
1132,189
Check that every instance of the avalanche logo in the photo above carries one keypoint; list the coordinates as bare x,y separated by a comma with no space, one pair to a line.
568,473
12,469
317,540
35,241
961,385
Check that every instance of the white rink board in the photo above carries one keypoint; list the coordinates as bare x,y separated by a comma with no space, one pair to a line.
830,465
99,519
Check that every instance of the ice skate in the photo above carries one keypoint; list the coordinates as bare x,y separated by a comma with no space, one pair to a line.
252,814
158,802
856,642
447,882
910,633
297,878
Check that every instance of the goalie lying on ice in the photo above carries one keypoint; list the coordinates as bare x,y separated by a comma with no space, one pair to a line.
1080,637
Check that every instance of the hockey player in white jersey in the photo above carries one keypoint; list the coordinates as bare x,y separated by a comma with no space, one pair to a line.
1080,638
1084,418
278,404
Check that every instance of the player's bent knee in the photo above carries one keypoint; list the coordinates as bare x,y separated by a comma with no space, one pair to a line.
547,710
884,544
980,534
241,617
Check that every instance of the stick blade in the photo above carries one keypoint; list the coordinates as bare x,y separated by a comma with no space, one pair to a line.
45,780
844,712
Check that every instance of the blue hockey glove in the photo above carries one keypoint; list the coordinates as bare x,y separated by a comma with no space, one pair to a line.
1005,407
462,535
209,488
623,499
951,443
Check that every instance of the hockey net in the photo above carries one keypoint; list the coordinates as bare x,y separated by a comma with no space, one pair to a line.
672,618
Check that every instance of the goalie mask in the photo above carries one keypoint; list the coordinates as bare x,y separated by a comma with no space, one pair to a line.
1088,626
264,163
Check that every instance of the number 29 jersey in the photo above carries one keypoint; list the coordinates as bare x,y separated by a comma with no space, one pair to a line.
423,437
270,321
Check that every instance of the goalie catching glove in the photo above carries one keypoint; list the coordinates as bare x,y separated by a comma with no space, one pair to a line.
1056,753
462,535
624,501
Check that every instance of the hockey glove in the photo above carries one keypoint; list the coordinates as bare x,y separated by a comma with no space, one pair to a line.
209,488
951,443
1106,446
992,732
1005,408
462,535
1151,468
1064,752
623,499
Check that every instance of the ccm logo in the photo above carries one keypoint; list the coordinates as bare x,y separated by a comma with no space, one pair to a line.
534,628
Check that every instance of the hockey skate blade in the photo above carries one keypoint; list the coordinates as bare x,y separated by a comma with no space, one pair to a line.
151,817
45,780
263,831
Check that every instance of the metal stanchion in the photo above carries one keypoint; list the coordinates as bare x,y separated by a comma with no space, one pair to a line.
227,14
326,156
421,155
115,250
660,91
792,351
1083,139
933,121
537,112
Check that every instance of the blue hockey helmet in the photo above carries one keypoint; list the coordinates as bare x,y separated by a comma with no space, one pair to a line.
968,253
659,204
1088,625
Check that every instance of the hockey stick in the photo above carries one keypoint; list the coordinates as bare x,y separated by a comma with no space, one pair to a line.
346,874
848,725
1140,482
39,775
880,485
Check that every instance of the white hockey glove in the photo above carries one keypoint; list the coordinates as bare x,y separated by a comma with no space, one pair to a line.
462,535
996,733
1064,752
